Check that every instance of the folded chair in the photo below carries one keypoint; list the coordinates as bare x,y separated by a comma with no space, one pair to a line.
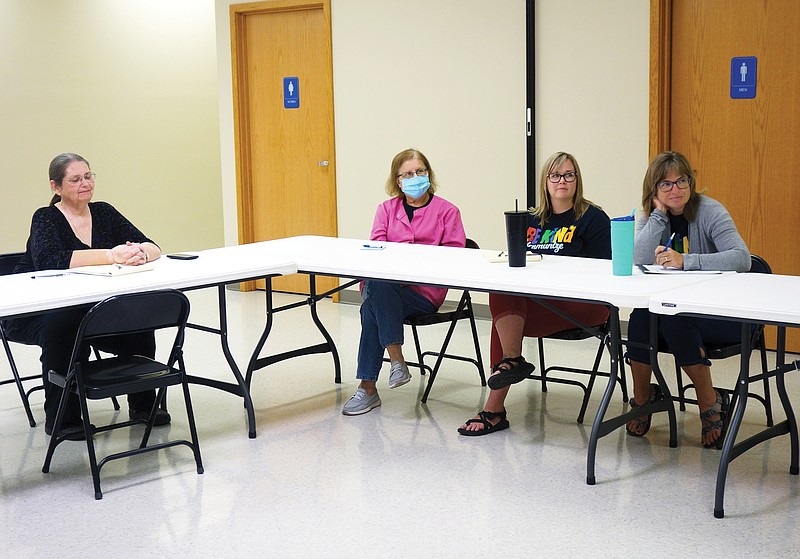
463,311
757,266
115,376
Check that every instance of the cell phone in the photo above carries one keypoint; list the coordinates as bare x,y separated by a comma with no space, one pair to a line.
182,256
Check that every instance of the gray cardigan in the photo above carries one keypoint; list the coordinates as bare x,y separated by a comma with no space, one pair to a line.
714,242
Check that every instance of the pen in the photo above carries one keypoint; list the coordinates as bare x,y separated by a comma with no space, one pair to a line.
669,242
48,276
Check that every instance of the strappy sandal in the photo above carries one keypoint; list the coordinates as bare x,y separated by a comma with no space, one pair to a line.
517,371
642,426
483,418
720,407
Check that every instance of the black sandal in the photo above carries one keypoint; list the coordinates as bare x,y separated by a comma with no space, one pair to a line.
483,418
518,370
640,424
720,407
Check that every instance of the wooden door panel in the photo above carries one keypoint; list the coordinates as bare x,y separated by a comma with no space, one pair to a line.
744,150
285,191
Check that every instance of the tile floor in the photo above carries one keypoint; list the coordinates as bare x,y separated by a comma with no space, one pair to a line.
397,482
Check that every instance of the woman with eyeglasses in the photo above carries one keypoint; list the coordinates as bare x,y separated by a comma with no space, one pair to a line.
564,224
74,231
412,214
684,230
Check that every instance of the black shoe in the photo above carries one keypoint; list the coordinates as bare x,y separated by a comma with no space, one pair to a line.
162,417
69,431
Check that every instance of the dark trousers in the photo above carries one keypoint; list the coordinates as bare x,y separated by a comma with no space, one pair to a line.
685,337
55,333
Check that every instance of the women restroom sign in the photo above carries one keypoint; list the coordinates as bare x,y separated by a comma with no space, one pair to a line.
291,93
743,77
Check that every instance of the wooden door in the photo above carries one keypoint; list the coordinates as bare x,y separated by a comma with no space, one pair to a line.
284,134
745,151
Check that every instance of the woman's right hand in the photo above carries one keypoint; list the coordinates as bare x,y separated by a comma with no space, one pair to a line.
129,254
658,205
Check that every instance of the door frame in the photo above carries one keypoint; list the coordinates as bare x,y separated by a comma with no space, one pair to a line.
660,76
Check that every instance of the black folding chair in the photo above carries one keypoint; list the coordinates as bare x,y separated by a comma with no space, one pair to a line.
114,376
8,262
463,311
593,373
757,266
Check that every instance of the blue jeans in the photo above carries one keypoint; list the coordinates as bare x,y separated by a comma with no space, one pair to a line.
682,336
384,306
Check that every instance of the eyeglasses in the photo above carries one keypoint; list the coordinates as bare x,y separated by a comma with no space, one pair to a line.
408,175
88,177
555,178
666,186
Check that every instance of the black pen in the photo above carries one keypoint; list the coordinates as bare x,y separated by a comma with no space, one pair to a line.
48,276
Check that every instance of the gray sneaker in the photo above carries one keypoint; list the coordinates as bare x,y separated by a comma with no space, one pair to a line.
398,374
361,402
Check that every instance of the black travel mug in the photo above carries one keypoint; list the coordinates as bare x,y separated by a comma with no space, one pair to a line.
517,237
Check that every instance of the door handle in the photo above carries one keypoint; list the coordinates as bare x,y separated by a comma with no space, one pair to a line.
323,163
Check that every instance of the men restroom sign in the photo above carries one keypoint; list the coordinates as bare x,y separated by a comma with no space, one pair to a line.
291,93
743,77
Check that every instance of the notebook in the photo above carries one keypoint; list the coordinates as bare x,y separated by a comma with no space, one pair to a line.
109,270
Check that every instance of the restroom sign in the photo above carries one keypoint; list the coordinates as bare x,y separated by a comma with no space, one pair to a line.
743,77
291,93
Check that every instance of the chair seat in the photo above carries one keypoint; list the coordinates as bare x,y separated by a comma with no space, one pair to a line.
724,351
430,318
571,335
122,375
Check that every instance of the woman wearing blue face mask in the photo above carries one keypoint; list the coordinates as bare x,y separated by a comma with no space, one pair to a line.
413,214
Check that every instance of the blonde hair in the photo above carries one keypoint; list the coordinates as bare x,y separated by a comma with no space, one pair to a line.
579,204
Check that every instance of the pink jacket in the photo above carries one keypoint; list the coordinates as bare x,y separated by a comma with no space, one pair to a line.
438,223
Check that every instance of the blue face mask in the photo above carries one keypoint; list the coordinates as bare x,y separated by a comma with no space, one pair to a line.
415,186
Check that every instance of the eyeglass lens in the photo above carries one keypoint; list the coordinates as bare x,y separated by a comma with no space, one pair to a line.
88,177
409,174
666,186
556,177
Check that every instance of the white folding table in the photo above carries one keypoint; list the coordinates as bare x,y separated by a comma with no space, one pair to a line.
578,279
748,298
32,293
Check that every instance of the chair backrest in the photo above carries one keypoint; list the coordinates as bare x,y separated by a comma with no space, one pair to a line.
9,261
135,312
471,243
758,265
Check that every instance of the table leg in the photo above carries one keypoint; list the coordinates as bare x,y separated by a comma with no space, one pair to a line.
733,428
599,428
241,388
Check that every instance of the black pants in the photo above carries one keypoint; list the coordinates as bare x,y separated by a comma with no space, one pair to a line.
55,333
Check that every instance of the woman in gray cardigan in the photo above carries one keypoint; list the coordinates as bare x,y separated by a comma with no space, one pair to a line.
684,230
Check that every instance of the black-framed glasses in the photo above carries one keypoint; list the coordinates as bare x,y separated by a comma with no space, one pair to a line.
555,178
666,186
88,177
410,174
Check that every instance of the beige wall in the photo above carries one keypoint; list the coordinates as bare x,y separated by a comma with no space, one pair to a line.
143,90
131,86
448,76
